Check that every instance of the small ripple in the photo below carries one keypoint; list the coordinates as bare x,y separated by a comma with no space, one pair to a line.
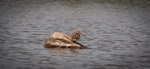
2,66
114,65
147,61
145,56
25,31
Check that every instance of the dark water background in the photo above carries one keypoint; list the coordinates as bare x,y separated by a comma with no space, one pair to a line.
117,33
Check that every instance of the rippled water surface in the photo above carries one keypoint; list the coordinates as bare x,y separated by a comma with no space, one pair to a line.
117,34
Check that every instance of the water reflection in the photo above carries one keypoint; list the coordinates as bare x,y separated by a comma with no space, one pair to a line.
62,50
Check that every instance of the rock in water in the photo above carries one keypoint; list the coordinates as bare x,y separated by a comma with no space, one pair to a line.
58,39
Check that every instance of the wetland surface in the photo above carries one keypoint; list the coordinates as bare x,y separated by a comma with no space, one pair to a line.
116,32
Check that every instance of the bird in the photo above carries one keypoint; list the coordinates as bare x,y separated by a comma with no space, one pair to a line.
75,35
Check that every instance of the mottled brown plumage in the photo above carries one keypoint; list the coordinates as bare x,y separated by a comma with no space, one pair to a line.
75,35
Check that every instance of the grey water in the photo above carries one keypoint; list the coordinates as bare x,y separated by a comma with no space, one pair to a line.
116,32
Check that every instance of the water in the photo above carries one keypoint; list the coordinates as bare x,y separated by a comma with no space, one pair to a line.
117,34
